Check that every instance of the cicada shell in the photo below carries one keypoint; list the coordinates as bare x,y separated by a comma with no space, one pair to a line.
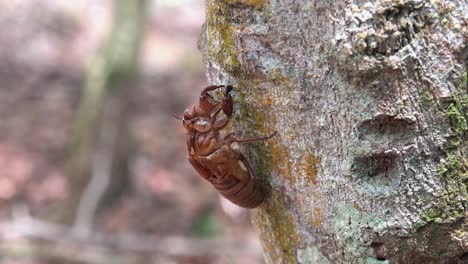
212,156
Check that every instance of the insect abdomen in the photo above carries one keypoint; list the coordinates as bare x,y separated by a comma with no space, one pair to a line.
232,178
245,194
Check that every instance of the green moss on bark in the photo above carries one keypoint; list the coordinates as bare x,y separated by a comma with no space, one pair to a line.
452,205
277,229
252,3
220,31
453,169
426,99
457,114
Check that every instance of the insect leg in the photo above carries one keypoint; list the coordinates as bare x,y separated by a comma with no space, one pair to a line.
200,168
227,106
210,88
189,142
246,163
233,137
226,103
220,123
207,103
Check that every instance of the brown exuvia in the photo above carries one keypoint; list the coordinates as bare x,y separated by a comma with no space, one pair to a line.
212,156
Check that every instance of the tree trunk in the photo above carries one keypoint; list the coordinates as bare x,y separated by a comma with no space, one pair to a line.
370,104
100,149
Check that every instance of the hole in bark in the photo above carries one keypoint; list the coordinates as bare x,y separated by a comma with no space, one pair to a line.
385,125
464,258
380,165
379,250
464,55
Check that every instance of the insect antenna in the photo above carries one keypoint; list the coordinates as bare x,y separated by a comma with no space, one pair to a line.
178,117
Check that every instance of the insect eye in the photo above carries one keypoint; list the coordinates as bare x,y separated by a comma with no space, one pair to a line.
202,125
188,116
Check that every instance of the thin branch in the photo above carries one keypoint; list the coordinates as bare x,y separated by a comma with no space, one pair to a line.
30,228
101,171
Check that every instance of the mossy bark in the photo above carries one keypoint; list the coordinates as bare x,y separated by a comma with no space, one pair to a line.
101,119
370,102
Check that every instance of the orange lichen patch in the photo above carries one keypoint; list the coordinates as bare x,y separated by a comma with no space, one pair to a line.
315,194
260,117
253,3
356,206
281,160
317,220
277,229
266,100
309,167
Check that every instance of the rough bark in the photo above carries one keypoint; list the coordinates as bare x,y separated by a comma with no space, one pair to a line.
370,102
100,148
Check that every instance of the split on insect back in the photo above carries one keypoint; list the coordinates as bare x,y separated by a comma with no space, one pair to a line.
211,155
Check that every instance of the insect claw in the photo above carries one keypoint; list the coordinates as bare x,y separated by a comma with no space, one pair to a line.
228,90
272,134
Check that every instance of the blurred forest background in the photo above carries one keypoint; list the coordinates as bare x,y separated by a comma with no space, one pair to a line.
56,204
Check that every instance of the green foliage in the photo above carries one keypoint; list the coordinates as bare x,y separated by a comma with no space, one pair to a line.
205,225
